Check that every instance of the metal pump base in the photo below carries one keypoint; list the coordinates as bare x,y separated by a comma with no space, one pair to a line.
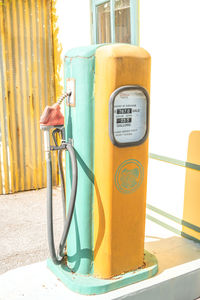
89,285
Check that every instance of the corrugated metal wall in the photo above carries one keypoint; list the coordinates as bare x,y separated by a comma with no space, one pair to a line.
26,87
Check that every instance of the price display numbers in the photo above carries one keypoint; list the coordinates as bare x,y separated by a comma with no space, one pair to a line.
128,119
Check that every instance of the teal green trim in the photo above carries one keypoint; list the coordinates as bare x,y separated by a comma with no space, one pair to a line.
173,218
170,228
134,10
79,125
134,19
81,52
99,2
95,4
175,161
88,285
167,159
94,22
112,20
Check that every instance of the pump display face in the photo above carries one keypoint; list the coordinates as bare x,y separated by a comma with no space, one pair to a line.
128,116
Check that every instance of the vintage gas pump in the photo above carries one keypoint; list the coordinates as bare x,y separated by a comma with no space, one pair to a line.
106,138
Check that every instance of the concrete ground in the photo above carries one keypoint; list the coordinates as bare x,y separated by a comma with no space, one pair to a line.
36,282
23,243
23,234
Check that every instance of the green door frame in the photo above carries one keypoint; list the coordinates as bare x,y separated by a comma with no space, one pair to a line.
134,10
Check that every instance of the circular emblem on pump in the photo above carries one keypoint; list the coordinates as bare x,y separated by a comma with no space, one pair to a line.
129,176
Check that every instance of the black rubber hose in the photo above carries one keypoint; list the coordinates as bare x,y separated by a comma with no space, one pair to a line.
50,214
57,258
62,184
72,198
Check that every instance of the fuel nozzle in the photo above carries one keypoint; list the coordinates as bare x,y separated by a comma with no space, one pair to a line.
52,115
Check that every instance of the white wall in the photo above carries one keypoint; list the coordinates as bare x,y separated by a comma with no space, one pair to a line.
74,23
74,26
170,31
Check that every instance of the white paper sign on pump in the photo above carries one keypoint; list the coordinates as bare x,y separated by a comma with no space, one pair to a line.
130,116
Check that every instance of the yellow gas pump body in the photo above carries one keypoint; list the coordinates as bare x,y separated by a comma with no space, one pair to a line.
119,215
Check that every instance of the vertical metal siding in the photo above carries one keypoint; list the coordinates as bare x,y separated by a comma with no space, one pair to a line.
27,85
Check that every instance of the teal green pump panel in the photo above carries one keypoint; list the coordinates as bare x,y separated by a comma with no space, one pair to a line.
79,123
